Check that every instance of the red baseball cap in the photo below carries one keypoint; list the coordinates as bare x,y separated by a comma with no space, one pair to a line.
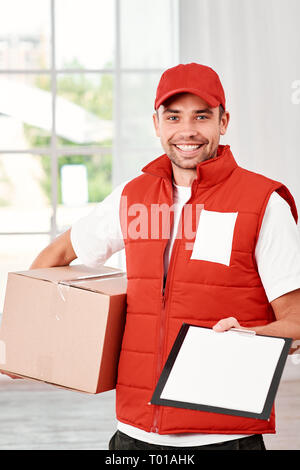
192,78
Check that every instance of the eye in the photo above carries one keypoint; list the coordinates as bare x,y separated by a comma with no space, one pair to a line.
172,118
201,117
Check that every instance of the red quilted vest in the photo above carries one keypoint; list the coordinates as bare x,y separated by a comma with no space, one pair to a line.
197,291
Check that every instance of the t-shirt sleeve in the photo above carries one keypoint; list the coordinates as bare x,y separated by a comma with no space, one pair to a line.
277,250
98,235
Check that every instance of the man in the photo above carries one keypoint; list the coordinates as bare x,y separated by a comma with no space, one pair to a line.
233,263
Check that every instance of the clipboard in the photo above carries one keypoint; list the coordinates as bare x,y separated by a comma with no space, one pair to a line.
236,372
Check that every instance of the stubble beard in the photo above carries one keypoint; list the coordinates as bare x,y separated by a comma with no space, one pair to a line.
185,164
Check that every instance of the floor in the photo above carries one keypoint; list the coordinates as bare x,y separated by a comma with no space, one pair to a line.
40,416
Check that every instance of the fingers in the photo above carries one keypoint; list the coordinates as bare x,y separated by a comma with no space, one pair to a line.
10,375
226,323
295,348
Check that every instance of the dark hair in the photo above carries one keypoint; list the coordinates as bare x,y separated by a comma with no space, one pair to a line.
221,112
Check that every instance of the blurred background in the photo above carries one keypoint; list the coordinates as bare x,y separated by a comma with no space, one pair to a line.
77,87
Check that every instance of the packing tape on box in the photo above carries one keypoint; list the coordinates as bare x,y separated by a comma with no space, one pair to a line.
63,289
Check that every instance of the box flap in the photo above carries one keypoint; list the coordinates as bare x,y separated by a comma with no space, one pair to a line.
109,285
69,273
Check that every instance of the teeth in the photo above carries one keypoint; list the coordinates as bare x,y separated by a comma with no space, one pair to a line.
188,147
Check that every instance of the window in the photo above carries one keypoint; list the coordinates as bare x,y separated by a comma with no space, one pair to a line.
77,87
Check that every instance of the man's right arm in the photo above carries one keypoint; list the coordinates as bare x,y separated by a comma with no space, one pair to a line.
95,237
60,252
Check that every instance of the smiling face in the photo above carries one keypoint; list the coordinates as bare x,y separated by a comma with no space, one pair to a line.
189,130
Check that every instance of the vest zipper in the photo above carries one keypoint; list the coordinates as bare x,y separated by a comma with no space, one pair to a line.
154,427
160,350
163,317
162,332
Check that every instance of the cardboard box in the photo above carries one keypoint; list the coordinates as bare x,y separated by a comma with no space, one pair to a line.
64,326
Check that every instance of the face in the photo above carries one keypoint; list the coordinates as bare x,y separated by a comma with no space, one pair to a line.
189,129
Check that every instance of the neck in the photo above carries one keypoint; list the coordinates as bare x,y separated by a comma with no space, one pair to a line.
183,176
186,176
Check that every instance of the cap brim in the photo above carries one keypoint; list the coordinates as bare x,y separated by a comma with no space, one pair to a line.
210,100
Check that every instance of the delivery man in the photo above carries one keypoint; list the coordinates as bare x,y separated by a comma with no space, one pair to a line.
230,258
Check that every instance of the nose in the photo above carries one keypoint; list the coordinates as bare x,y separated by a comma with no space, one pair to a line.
187,128
187,132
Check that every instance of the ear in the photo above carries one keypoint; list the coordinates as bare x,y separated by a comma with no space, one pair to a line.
156,125
224,122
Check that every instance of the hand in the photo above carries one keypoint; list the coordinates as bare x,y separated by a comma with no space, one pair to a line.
10,375
226,323
295,348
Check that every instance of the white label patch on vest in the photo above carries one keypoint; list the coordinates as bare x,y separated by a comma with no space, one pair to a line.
214,236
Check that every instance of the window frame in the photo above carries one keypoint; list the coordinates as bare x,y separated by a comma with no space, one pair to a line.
54,151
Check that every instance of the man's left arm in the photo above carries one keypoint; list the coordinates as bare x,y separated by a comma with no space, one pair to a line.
287,324
277,255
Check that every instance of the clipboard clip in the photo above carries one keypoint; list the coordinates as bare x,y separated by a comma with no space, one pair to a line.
243,331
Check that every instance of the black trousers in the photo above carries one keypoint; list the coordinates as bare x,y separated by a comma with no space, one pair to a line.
121,441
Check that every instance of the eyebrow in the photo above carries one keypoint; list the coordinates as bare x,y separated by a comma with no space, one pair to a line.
198,111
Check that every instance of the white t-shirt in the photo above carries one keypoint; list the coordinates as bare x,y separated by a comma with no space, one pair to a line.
98,235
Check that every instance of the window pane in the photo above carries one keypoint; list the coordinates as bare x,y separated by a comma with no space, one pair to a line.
25,111
25,201
138,95
131,162
84,34
84,109
24,34
84,180
147,33
17,252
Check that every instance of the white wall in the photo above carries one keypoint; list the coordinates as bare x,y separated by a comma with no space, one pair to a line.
254,47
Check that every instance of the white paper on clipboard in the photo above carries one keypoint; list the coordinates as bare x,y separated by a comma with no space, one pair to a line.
225,371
